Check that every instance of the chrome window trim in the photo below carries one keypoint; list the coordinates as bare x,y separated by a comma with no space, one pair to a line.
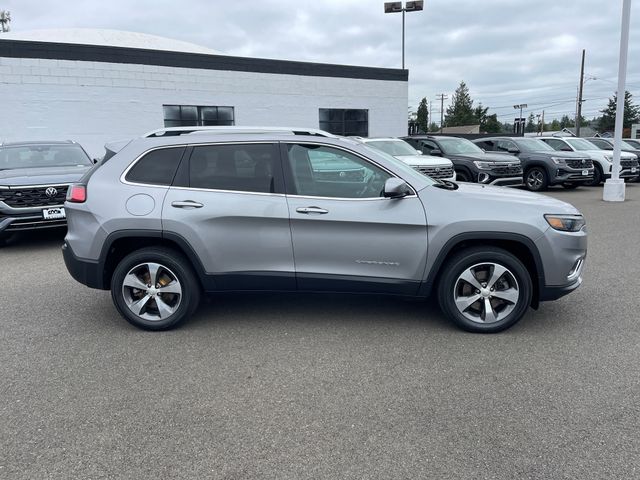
259,142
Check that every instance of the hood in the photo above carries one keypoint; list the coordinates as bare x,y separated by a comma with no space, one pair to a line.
558,153
425,160
626,155
42,176
477,194
487,157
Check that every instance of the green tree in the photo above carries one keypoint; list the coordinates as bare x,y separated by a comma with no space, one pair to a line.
433,127
631,113
423,116
555,125
566,122
461,111
530,127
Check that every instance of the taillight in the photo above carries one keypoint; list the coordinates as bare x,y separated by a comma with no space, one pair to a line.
77,194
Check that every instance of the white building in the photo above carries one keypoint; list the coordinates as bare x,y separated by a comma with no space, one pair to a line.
95,86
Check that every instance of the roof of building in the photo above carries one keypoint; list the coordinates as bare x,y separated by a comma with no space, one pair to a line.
112,38
462,129
113,46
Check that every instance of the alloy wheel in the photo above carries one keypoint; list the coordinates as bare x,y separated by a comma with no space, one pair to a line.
535,179
486,293
151,291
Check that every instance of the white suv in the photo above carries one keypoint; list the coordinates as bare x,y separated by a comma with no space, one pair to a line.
435,167
602,159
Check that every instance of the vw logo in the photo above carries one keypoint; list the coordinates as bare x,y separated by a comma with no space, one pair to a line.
437,169
51,192
584,161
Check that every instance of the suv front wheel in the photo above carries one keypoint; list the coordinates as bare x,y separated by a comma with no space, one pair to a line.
485,289
155,288
536,179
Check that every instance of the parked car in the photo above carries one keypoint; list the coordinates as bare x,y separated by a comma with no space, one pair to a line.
164,219
471,163
607,144
542,165
436,167
601,159
34,177
634,142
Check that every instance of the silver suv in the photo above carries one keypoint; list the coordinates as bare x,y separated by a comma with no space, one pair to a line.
165,219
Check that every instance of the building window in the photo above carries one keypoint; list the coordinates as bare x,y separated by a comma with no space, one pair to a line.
190,115
340,121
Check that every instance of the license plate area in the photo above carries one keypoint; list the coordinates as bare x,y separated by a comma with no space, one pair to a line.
54,213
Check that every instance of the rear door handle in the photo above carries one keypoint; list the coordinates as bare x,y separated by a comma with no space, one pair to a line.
308,210
187,204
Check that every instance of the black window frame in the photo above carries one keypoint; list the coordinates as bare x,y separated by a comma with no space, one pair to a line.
341,123
200,120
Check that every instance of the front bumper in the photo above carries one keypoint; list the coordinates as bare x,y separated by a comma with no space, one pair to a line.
89,273
566,174
500,181
10,221
549,293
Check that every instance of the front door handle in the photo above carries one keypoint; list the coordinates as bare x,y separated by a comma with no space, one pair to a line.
187,204
308,210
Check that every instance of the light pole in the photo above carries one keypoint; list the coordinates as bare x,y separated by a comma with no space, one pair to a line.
520,119
614,187
396,7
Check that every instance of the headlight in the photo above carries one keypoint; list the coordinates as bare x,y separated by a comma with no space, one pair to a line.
608,158
558,160
484,165
566,223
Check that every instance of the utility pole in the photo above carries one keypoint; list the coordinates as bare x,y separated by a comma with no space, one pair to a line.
542,124
430,114
5,20
579,115
442,97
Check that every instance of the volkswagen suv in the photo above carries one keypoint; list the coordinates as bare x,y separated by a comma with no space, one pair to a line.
34,177
161,220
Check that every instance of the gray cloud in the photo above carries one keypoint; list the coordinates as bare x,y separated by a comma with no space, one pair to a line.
507,51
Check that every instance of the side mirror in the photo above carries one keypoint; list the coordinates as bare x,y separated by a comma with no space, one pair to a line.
396,188
437,152
513,150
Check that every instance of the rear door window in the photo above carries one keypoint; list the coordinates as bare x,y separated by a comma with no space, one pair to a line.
252,167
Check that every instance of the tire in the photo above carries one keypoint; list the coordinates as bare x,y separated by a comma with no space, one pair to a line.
571,186
536,179
4,239
162,309
597,176
477,264
462,176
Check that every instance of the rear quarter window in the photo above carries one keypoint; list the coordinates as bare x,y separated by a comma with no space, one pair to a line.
158,167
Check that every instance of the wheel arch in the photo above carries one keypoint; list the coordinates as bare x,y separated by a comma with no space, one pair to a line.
120,243
519,245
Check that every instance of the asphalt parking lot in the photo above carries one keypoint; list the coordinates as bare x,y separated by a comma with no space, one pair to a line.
323,386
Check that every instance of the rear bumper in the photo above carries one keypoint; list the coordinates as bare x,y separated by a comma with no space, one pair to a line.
89,273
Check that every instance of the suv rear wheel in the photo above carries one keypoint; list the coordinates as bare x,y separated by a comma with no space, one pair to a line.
155,288
485,289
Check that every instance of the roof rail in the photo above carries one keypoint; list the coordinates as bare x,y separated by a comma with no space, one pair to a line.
175,131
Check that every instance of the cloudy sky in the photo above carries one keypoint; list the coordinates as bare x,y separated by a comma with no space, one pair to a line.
507,51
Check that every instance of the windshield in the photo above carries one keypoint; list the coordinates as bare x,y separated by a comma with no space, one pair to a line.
581,144
635,144
532,145
455,146
34,156
394,147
